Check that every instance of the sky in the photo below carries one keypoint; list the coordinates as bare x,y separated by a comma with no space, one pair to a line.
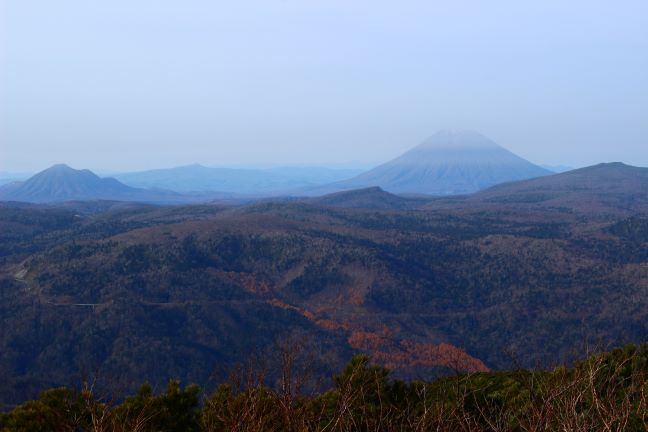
135,84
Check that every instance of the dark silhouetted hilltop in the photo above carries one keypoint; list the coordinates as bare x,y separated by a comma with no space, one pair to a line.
369,198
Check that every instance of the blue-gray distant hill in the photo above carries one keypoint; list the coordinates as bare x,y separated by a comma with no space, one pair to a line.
198,178
447,163
62,183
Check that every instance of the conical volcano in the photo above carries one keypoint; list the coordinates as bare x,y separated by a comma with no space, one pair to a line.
448,163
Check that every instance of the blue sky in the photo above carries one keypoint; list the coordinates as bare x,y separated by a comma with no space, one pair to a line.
120,85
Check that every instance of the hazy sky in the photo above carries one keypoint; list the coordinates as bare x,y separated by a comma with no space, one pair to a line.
130,84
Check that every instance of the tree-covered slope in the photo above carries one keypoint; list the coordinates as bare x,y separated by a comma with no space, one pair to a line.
135,290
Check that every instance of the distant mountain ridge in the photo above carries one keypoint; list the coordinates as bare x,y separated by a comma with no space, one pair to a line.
447,163
199,178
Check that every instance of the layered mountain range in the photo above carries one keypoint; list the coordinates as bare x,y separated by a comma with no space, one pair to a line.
448,163
528,273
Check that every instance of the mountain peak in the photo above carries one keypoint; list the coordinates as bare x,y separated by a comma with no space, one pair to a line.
448,162
60,167
63,172
458,140
60,182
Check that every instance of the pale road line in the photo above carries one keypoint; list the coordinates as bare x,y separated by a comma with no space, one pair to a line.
77,304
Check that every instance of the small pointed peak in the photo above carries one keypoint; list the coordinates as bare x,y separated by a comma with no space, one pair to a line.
374,189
